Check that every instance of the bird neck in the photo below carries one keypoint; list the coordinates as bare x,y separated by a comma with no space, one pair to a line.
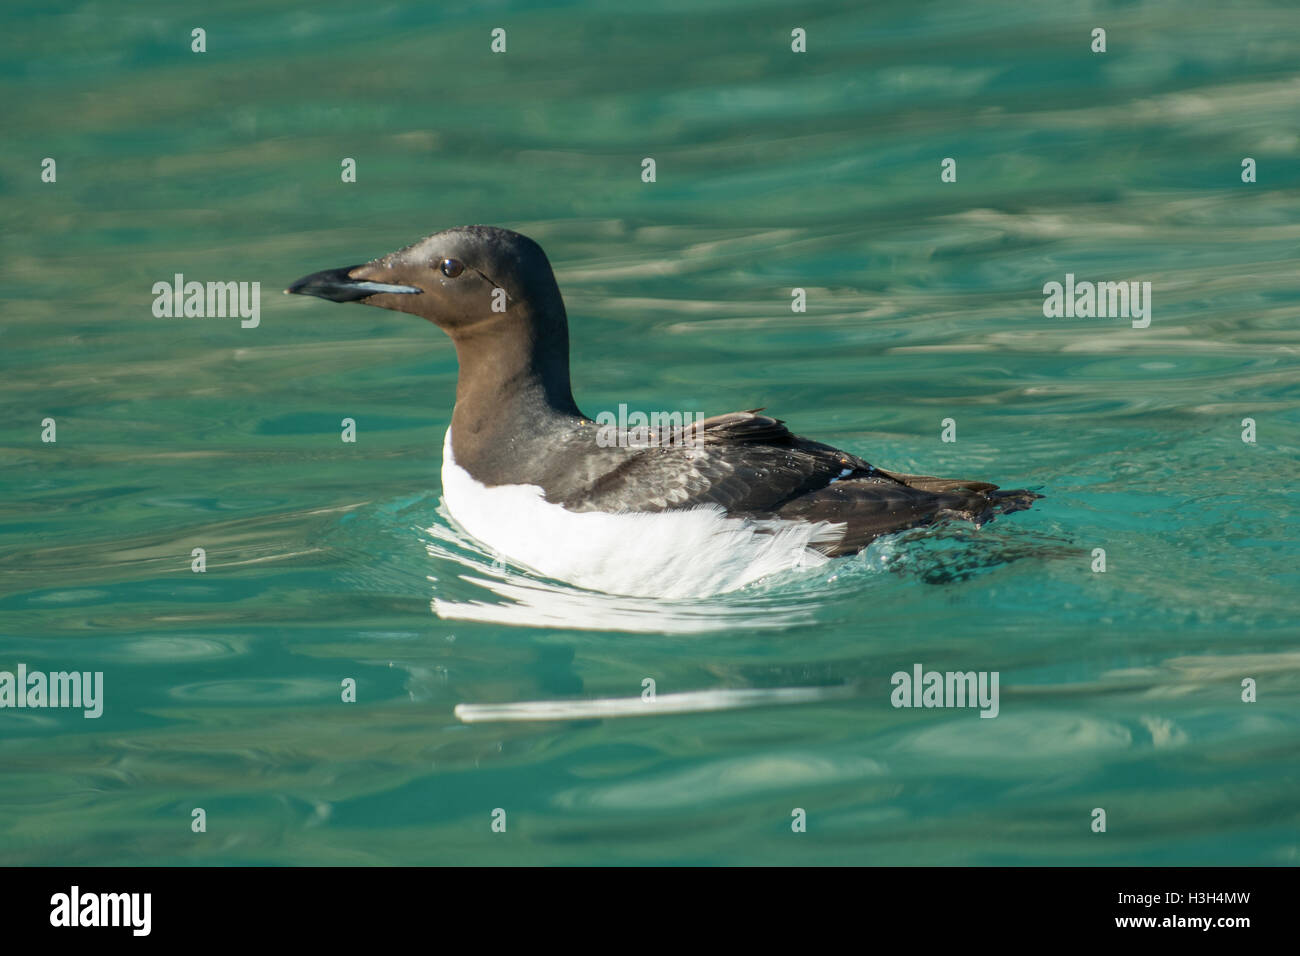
513,384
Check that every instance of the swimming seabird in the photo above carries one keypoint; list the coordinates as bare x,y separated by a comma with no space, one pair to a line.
703,508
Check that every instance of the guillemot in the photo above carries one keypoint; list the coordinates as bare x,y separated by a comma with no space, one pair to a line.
704,508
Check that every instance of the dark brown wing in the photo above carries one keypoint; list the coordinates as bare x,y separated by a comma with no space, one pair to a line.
869,508
752,466
745,462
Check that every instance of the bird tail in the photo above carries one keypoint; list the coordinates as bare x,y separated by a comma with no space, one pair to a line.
985,498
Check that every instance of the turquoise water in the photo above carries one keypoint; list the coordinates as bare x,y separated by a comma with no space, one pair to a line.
327,560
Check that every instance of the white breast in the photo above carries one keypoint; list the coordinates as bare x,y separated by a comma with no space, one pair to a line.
671,554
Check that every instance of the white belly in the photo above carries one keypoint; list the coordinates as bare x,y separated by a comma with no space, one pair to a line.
671,554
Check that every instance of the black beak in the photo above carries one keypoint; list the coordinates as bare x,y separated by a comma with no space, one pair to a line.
338,286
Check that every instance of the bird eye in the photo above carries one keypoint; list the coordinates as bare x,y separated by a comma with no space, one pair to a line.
452,268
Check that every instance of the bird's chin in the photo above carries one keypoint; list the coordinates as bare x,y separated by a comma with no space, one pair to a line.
472,327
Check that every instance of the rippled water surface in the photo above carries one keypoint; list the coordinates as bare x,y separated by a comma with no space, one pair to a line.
326,561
